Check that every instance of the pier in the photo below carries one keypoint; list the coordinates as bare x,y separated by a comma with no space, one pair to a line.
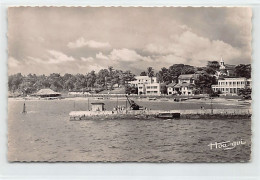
151,114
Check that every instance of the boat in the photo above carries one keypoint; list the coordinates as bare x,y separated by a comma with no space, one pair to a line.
152,99
168,115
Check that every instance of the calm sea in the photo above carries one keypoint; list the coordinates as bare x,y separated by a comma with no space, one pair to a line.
45,133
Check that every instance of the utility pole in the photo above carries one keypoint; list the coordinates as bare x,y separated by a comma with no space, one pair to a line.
126,106
211,106
88,104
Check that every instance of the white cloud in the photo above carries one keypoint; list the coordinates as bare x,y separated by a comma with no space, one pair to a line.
127,55
88,59
100,55
189,45
58,57
81,42
12,62
54,57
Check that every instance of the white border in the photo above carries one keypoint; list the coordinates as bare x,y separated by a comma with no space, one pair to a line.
113,171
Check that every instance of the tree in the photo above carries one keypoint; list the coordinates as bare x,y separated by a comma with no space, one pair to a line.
246,93
101,77
126,77
56,82
143,73
204,83
243,70
214,65
131,90
14,82
164,76
150,73
91,79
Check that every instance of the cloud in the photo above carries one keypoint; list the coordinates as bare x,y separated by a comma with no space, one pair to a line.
88,59
127,55
189,45
100,55
81,42
12,62
59,57
54,57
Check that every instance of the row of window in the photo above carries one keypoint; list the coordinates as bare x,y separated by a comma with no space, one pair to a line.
151,87
150,92
229,90
233,83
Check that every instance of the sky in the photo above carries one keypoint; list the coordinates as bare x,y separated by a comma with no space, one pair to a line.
45,40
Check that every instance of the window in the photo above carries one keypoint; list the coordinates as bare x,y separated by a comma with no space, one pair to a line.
148,87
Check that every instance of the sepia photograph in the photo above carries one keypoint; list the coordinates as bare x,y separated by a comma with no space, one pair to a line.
129,84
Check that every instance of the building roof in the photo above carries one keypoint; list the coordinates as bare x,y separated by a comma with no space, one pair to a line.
171,85
186,85
230,67
186,76
47,92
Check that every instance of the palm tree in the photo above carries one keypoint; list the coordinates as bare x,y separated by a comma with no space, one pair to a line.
150,73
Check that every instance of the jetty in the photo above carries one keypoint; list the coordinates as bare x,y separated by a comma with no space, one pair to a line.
155,114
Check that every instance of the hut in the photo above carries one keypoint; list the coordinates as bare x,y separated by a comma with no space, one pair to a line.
47,93
98,106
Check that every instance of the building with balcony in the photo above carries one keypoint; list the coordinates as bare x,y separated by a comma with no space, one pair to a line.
185,85
140,80
232,85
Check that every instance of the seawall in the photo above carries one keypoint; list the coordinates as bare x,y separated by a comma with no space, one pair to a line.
153,114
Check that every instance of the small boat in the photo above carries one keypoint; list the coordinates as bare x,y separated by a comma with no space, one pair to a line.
167,115
152,99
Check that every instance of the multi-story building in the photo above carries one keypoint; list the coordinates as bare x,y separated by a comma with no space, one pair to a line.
185,85
232,85
154,88
140,80
147,85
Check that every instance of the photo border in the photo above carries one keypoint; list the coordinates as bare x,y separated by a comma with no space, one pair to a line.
76,170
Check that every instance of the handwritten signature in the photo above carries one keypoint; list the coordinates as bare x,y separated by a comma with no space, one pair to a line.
226,145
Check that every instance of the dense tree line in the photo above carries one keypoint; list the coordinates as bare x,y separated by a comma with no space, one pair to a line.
110,77
104,79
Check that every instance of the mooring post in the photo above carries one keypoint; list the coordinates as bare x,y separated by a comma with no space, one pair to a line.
24,108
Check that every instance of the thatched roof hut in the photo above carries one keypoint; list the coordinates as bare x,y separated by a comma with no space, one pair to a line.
47,93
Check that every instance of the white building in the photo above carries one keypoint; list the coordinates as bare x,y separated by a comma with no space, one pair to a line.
140,80
147,85
232,85
225,70
185,86
150,88
153,88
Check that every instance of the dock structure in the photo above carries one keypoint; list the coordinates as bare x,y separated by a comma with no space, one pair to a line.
98,106
151,114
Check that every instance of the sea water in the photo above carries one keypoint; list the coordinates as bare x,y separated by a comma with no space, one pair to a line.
45,133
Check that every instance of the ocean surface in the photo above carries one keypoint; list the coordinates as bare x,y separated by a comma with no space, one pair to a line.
45,133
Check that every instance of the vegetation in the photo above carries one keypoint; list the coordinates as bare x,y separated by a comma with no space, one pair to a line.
107,79
245,93
104,79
